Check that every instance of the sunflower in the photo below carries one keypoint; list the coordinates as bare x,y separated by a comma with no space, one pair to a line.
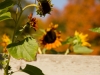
5,42
51,38
44,7
32,22
82,39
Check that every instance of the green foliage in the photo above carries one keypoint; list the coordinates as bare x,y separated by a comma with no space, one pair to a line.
5,16
32,70
38,33
81,49
6,4
4,7
69,40
97,29
3,10
25,49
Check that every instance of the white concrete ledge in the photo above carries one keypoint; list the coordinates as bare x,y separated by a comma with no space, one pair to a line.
62,64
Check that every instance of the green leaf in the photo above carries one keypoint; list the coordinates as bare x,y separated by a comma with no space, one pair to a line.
5,16
97,29
69,40
6,3
38,33
3,11
4,6
25,49
32,70
81,49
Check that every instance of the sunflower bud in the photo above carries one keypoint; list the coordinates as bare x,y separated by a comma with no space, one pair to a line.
44,7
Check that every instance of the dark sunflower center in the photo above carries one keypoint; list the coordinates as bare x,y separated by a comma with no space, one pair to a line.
45,7
50,37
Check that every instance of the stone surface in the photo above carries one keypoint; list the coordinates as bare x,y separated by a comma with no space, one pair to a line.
62,65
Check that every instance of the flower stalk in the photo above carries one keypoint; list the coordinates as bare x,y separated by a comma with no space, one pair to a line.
13,40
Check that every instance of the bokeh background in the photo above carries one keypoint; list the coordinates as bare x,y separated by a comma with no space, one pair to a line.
70,15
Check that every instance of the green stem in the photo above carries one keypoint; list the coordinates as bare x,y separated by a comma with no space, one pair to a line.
68,50
16,27
7,66
17,21
34,5
6,69
39,50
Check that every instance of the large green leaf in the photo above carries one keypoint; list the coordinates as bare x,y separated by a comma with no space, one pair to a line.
97,29
25,49
5,16
81,49
6,3
32,70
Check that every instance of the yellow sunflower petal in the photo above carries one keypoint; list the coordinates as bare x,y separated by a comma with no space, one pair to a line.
53,46
3,44
51,25
76,33
5,39
86,44
48,46
83,36
60,39
48,29
58,43
55,26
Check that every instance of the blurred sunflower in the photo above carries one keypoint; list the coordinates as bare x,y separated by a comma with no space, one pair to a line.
52,38
44,7
5,42
82,39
